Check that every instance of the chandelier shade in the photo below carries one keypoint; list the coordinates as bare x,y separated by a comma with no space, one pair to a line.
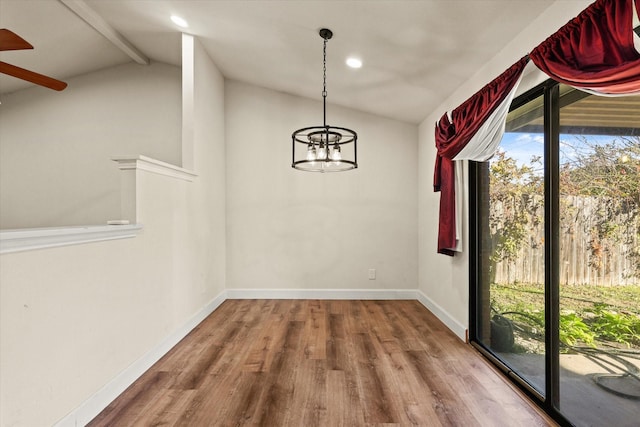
324,148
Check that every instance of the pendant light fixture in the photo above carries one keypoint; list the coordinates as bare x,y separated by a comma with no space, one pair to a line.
324,148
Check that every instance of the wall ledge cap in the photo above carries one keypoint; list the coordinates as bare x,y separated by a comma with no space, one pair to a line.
155,166
26,239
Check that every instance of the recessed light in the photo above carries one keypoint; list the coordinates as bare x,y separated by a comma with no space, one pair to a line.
180,22
354,62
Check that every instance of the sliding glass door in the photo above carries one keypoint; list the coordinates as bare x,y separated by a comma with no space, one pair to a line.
512,282
556,263
599,281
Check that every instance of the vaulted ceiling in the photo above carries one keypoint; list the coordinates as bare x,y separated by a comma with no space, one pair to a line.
415,53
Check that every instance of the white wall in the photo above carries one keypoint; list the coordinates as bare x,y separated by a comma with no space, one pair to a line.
289,229
56,147
206,214
443,279
73,319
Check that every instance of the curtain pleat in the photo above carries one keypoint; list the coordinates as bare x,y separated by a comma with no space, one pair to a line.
595,50
453,134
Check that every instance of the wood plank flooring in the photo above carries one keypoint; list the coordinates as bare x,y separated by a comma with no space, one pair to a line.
307,363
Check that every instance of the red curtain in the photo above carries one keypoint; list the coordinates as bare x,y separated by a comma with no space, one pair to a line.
453,135
594,50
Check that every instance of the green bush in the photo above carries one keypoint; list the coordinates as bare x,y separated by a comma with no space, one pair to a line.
591,315
618,327
573,329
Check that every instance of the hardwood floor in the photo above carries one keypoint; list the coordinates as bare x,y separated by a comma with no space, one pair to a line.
321,363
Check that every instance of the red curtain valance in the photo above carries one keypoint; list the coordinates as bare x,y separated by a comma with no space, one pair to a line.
453,135
595,50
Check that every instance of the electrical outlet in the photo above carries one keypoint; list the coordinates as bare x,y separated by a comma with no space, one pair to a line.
372,274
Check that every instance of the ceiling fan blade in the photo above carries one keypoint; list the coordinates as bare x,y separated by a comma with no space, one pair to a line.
31,76
11,41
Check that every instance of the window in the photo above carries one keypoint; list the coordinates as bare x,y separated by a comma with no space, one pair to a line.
555,277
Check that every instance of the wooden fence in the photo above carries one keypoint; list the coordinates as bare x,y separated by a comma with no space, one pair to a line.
589,254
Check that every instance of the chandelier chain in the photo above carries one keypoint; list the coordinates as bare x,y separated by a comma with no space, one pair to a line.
324,69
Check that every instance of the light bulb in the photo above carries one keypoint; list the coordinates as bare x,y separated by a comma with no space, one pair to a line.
311,153
322,152
336,155
354,62
179,21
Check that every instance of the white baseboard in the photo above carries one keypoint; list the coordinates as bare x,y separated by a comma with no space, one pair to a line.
91,407
364,294
456,327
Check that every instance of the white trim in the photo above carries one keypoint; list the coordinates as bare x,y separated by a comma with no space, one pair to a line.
155,166
28,239
188,96
91,407
456,327
352,294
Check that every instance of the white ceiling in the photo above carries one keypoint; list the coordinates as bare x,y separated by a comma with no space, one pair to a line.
415,53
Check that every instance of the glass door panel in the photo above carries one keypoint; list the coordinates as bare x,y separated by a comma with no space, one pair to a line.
599,240
511,269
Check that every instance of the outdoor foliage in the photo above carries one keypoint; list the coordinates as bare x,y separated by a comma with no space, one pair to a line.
515,196
605,175
573,330
602,177
610,173
610,325
616,322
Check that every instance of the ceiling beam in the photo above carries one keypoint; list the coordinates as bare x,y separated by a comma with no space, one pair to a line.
91,17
